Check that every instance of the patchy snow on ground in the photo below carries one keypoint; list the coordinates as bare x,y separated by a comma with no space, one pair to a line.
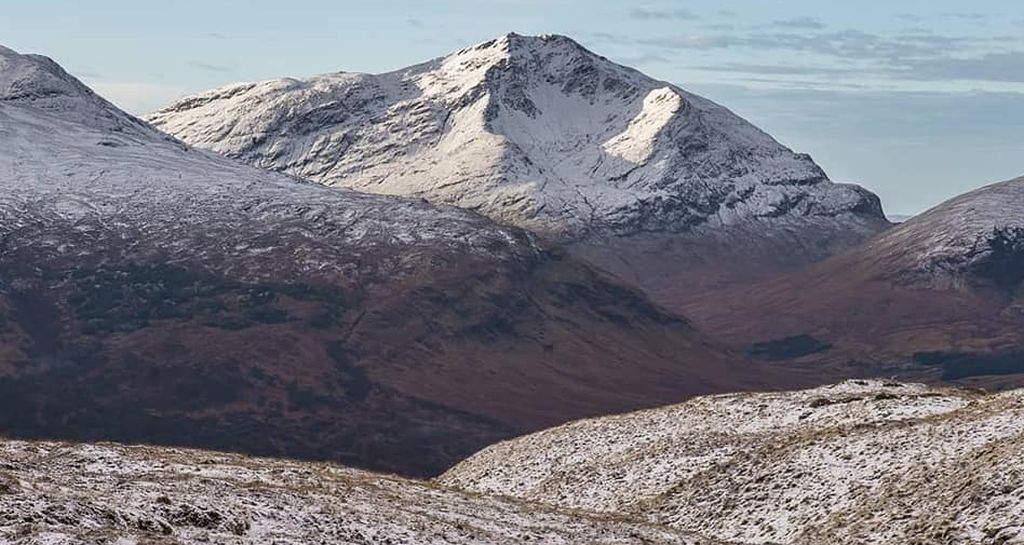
66,494
858,462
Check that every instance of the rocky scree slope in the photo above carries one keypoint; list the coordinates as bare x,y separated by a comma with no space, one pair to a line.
71,494
174,296
541,133
858,462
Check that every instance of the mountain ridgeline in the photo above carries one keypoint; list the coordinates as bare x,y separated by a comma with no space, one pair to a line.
641,177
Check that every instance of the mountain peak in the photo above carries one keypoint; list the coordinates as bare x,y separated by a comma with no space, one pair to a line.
521,42
513,42
40,83
512,57
548,56
29,77
535,131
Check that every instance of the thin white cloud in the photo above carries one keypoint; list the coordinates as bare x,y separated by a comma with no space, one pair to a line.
648,14
810,23
209,67
137,98
856,56
1005,67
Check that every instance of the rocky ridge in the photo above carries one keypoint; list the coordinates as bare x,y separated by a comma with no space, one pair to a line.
535,131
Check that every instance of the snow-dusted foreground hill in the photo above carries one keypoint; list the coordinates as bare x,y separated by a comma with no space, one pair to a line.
67,494
858,462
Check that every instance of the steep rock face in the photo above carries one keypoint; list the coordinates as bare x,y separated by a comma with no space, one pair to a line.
541,133
171,295
858,462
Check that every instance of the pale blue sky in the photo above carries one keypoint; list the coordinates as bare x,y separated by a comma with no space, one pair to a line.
917,100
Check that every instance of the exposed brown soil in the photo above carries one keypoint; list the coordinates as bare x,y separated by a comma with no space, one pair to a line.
874,321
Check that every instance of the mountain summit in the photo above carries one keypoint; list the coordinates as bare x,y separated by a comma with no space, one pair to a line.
666,189
533,131
40,82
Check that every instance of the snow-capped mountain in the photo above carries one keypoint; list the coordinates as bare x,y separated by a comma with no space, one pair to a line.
541,133
533,131
858,462
70,494
70,158
175,296
42,83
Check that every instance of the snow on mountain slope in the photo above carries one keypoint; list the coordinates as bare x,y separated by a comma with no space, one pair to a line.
70,155
943,288
70,494
858,462
533,131
975,237
175,296
144,180
37,80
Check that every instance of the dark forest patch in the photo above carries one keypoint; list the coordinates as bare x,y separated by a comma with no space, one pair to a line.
788,348
130,297
958,365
